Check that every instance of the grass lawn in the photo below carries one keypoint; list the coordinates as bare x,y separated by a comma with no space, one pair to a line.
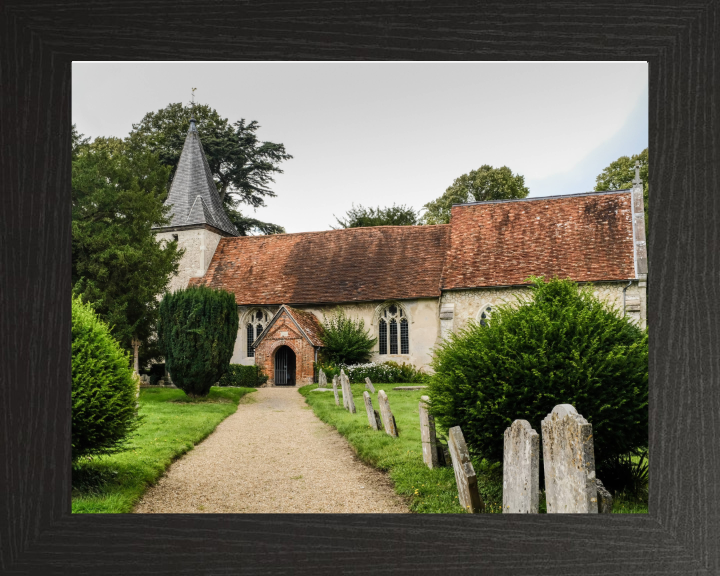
428,491
171,426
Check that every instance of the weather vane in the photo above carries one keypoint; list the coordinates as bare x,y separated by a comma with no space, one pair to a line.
193,96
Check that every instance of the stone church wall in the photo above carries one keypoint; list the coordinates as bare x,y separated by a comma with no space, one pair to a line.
199,245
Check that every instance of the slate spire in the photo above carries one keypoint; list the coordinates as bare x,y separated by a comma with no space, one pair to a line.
193,194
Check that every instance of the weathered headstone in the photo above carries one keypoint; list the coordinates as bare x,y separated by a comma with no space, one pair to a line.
337,400
569,462
322,379
372,414
427,434
369,385
387,416
347,393
521,469
465,477
605,501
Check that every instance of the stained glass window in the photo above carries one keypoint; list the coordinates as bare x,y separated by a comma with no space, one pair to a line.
393,337
383,337
404,337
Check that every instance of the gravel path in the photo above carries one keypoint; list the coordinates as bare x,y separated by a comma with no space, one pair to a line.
272,455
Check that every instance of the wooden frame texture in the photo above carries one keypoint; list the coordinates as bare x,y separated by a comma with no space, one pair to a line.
680,535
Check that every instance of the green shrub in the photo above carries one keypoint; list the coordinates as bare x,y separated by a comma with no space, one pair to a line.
103,387
382,372
197,331
559,346
245,376
345,340
627,473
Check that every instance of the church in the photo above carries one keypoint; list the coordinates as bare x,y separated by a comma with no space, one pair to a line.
412,285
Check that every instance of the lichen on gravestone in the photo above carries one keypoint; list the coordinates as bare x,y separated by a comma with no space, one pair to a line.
605,500
337,400
569,462
322,379
371,412
348,400
521,469
465,477
387,415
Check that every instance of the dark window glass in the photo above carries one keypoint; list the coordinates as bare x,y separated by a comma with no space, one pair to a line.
393,337
404,337
258,330
259,315
250,339
485,316
383,337
392,310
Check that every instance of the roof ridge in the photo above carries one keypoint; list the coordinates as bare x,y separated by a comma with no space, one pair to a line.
555,197
416,226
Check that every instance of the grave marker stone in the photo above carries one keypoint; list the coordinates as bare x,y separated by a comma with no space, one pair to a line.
337,400
605,501
521,469
347,393
387,416
569,462
369,385
322,379
427,434
372,414
465,477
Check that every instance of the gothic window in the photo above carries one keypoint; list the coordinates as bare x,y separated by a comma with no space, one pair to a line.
383,337
484,315
256,321
393,341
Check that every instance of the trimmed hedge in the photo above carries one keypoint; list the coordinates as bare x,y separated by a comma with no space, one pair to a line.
103,387
560,346
241,375
197,331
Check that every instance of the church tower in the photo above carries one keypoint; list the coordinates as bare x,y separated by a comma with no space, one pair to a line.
197,218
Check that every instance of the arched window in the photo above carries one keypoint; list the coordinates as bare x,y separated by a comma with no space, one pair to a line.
484,315
255,322
393,341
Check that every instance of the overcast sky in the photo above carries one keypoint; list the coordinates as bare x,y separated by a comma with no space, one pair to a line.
383,133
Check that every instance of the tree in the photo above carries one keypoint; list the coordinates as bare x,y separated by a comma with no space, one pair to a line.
103,387
242,166
345,341
485,183
197,331
620,174
117,263
561,345
358,217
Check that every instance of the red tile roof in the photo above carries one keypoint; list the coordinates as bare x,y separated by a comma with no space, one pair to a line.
349,265
585,237
309,324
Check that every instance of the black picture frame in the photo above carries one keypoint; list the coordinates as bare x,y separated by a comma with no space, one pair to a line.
680,535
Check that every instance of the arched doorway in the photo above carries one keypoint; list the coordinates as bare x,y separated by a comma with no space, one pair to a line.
284,366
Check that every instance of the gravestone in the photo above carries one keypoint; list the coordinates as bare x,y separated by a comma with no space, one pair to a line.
337,400
521,469
465,477
372,414
322,379
347,393
605,501
369,385
387,416
427,434
569,462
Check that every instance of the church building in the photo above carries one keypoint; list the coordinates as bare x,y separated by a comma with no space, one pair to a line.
412,285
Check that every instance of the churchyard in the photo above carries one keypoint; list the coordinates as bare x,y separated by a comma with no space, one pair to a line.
171,426
442,477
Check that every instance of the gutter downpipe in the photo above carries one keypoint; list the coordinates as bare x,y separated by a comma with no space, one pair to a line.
626,287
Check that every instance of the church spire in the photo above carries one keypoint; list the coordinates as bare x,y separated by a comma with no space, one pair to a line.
193,195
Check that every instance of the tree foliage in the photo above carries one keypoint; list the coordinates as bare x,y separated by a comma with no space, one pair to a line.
103,387
345,341
560,345
197,331
242,165
358,217
485,183
620,174
117,264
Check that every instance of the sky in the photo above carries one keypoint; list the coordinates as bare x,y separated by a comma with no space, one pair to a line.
379,134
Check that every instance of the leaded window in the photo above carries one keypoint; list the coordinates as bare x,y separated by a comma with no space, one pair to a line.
393,341
250,340
256,321
383,336
484,316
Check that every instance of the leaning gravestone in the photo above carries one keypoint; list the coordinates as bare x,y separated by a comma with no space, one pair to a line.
605,501
369,385
347,392
322,380
427,434
337,400
521,469
387,416
372,414
569,461
465,477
